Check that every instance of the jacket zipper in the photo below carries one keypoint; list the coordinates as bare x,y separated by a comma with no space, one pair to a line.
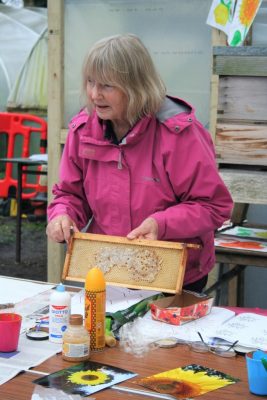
120,160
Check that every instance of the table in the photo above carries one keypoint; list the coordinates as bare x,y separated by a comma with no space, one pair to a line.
239,259
156,361
22,162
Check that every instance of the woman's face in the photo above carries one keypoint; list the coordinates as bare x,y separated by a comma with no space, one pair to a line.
110,102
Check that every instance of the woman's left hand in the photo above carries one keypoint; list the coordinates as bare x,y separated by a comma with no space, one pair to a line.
147,230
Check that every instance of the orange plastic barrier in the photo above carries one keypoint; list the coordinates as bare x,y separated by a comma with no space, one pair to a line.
13,125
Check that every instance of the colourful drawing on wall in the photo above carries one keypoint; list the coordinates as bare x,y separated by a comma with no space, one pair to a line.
189,381
233,17
85,378
221,14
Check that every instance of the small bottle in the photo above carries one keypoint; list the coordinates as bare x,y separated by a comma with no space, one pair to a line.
95,307
76,340
59,311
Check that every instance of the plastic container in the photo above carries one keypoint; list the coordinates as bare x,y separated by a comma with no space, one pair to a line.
95,308
59,311
10,325
257,374
76,340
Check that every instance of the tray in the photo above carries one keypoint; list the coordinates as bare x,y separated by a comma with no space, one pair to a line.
137,264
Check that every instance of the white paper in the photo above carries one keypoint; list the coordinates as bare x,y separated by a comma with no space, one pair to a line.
243,244
156,330
118,298
246,232
249,329
7,373
15,290
29,354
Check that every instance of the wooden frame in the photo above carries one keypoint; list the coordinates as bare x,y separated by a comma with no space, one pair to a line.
171,257
55,118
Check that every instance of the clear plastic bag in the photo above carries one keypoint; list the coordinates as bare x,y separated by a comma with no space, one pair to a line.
41,393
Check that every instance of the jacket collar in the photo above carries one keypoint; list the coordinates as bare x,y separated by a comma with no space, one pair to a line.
175,114
93,131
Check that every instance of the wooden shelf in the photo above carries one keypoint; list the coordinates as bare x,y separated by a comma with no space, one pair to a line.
240,61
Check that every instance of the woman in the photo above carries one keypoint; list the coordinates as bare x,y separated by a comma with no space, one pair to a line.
138,163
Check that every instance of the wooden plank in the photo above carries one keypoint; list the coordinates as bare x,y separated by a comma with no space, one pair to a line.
136,242
137,264
242,144
55,118
240,257
213,105
218,38
243,98
248,51
243,60
246,186
240,65
63,135
239,213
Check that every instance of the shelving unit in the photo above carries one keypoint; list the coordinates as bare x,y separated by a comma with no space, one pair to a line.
239,120
238,123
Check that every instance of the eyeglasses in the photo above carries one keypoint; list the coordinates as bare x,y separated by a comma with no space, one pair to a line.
223,350
218,349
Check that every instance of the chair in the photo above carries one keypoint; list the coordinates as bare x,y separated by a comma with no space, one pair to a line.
16,128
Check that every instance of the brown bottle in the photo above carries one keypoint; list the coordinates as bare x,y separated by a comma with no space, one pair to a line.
76,340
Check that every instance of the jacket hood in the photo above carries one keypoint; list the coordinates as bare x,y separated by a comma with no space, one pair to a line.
176,114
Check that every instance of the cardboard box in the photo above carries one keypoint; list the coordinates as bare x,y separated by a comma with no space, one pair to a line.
181,308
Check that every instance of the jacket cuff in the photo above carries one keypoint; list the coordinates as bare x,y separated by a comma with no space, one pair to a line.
159,217
62,211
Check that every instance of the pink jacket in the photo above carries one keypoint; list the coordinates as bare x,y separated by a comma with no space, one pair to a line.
164,169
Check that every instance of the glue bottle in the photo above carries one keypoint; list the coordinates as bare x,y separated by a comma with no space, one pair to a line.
76,340
59,311
95,307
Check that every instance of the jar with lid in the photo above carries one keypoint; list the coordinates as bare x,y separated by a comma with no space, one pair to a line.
76,340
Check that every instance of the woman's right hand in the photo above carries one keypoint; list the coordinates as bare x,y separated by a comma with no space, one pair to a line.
59,228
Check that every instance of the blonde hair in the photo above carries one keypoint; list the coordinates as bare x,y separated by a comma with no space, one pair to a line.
123,61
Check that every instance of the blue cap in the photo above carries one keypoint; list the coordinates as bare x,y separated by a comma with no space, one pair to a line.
60,288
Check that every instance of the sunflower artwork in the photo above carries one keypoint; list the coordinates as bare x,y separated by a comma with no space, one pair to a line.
234,18
189,381
85,378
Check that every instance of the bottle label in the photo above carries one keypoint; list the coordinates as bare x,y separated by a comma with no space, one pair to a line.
58,321
75,350
95,308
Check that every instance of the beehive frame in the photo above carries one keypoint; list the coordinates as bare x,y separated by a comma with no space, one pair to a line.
83,248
